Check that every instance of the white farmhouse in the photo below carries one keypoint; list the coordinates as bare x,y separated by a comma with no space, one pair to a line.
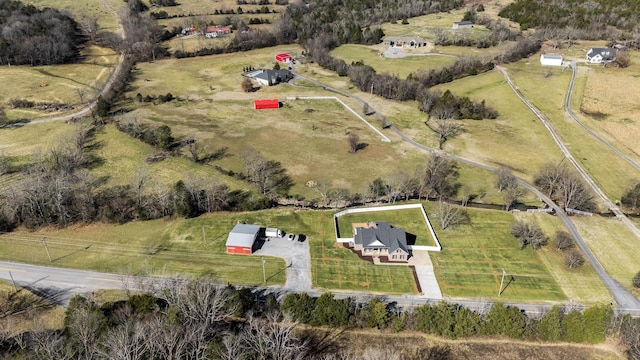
601,55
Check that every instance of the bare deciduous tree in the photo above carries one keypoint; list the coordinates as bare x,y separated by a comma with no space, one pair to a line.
438,177
528,234
446,128
573,260
449,215
563,240
354,142
247,85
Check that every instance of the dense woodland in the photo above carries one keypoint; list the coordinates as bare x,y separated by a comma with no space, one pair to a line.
596,19
33,36
175,319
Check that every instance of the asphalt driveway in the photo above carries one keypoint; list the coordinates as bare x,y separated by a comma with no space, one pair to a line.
296,255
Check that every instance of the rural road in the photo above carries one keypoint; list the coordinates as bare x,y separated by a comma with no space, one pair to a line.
567,109
623,298
567,154
59,285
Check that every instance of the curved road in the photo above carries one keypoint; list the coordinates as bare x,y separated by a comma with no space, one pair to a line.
608,203
623,298
567,109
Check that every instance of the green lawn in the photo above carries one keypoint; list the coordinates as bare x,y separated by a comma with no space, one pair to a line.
147,247
401,67
473,256
411,220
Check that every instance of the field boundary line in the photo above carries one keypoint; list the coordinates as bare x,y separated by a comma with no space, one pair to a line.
384,138
438,247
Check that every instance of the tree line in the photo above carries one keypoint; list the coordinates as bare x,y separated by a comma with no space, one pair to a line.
58,188
32,36
173,318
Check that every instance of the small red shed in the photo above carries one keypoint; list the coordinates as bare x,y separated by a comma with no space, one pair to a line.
266,104
284,58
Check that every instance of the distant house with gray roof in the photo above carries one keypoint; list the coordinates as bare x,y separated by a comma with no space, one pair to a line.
379,239
404,41
270,77
601,55
462,24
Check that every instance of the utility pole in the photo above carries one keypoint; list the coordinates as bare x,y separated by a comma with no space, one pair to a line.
264,274
501,282
371,88
44,241
204,237
13,282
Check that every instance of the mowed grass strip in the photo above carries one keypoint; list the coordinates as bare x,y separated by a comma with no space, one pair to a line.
400,67
615,246
582,284
473,256
411,220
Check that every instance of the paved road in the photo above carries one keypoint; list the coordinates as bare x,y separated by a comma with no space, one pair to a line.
587,178
623,298
298,258
567,109
59,285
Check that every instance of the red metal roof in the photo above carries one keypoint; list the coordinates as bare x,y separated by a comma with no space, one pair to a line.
283,57
266,104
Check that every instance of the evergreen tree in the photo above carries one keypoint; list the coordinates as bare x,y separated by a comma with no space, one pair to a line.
574,326
596,321
550,328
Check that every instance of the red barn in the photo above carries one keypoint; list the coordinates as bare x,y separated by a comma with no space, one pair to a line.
266,104
241,239
284,58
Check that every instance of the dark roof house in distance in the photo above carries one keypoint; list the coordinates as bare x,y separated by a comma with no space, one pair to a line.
270,77
601,55
381,239
462,24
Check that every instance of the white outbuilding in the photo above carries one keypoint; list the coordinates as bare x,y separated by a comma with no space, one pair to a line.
551,59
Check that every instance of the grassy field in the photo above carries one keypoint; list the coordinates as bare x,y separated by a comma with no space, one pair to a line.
46,316
427,25
56,83
103,10
473,256
149,247
401,67
614,245
512,139
581,285
548,95
118,150
411,220
307,136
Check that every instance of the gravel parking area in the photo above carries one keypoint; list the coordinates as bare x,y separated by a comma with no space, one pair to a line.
296,255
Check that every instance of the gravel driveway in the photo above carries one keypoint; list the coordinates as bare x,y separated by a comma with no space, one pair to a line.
296,255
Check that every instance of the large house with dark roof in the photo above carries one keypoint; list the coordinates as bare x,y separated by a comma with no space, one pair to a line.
402,41
379,239
270,77
601,55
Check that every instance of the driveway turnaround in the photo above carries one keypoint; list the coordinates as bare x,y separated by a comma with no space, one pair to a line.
296,255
